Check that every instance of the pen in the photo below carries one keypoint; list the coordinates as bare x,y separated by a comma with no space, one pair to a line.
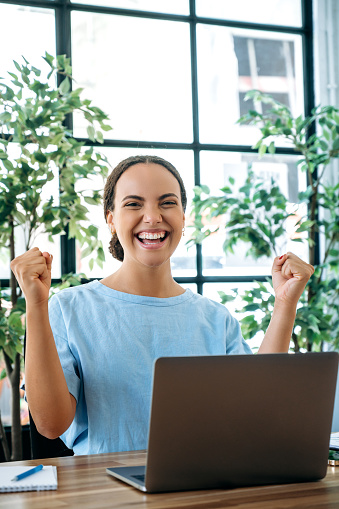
27,473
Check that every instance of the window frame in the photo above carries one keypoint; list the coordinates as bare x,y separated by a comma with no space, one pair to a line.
63,10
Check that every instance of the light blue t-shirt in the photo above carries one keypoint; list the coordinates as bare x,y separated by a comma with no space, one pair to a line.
107,343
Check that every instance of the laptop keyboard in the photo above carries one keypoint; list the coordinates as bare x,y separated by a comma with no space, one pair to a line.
139,477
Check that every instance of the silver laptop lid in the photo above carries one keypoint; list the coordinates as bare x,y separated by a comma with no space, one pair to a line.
227,421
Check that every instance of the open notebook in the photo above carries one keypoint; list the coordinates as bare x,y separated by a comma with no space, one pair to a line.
46,479
334,441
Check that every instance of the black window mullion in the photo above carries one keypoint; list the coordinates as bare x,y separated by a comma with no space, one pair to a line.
308,57
309,101
64,47
195,122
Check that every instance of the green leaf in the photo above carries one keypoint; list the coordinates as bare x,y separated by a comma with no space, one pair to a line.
8,164
25,70
49,59
323,145
335,145
5,117
86,252
305,226
100,137
40,157
106,127
91,132
36,71
20,217
65,86
17,66
287,131
25,79
90,200
57,139
262,149
226,297
271,148
252,307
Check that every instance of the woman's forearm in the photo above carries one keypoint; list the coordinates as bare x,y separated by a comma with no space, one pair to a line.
50,403
290,275
278,335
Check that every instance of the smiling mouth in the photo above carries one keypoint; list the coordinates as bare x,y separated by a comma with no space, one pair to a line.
152,238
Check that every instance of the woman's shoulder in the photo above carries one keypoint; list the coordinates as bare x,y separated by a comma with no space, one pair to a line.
209,305
82,291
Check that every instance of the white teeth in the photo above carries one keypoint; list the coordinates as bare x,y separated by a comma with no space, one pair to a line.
151,236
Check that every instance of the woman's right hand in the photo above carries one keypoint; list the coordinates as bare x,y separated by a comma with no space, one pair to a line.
33,273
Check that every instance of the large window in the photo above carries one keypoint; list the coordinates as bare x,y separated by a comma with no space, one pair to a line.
172,75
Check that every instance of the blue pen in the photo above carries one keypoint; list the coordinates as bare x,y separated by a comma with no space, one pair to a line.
27,473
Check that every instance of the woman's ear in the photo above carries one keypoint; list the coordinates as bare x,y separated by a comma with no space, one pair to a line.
110,221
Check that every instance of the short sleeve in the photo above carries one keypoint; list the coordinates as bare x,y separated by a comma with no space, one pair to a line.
67,359
235,343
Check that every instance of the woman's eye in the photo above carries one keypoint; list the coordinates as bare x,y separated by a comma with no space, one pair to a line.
169,203
132,204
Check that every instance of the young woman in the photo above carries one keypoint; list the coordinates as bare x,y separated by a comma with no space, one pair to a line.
90,351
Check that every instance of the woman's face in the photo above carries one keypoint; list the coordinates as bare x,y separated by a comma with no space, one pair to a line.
148,215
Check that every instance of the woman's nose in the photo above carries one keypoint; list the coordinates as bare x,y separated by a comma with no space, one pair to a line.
152,216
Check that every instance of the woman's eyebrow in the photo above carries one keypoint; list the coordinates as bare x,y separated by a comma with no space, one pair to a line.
133,197
140,198
168,195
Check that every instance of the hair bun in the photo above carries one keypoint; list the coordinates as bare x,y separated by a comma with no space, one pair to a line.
115,248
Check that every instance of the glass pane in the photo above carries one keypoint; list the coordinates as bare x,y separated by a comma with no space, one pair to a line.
167,6
133,71
183,260
36,27
39,239
33,35
270,12
211,290
216,168
230,63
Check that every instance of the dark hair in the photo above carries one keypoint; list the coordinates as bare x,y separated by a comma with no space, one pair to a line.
115,248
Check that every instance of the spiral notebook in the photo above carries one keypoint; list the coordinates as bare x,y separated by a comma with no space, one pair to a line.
46,479
334,441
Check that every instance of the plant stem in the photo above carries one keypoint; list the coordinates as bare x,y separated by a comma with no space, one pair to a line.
295,342
13,372
4,442
329,247
13,283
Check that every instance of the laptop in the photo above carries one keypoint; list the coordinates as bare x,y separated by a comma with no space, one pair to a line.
237,420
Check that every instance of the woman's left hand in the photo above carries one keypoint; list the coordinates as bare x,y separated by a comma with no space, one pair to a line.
289,277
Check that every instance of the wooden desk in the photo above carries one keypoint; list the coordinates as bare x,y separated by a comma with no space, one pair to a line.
83,483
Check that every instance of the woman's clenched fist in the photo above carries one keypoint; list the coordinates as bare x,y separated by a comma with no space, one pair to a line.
33,273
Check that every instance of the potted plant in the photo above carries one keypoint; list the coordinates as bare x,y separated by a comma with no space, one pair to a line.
256,215
37,148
